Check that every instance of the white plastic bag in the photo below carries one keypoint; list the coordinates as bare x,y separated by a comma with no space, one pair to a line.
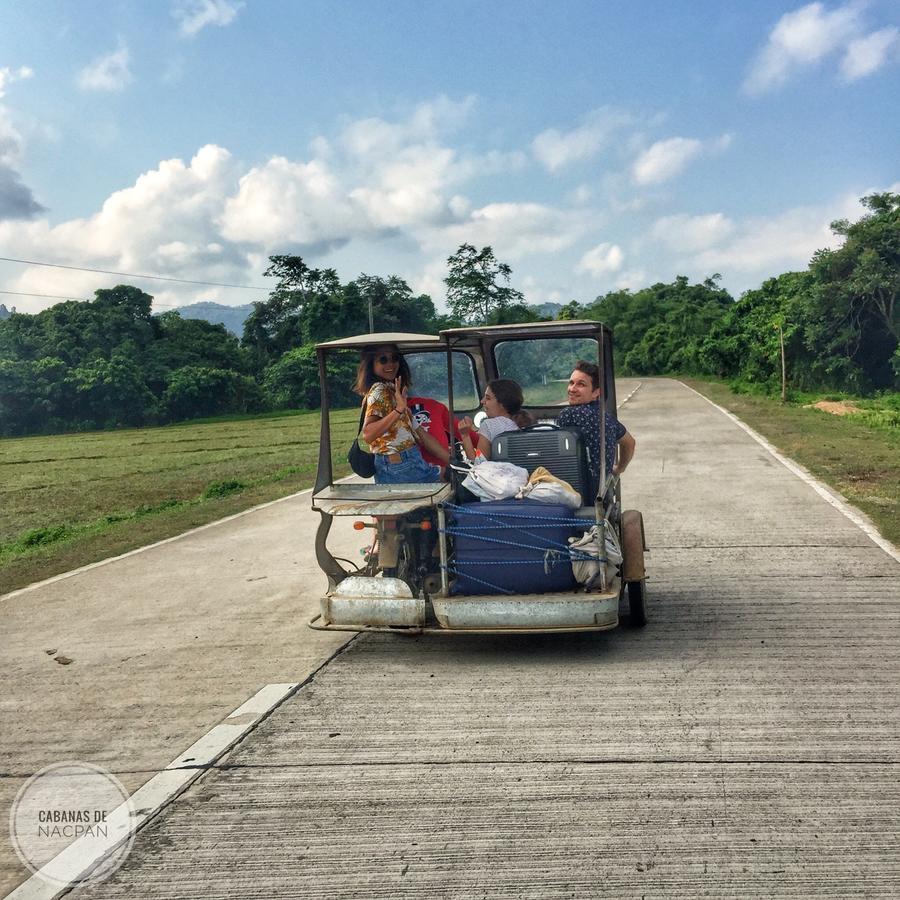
547,488
490,480
586,571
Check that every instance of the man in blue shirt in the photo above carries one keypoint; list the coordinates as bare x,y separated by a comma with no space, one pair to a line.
583,413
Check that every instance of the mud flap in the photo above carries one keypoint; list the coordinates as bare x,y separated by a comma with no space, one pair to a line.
633,546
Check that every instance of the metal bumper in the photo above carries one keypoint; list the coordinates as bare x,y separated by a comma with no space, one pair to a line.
362,603
532,612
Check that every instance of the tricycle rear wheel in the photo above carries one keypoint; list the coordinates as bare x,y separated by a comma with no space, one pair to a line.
637,606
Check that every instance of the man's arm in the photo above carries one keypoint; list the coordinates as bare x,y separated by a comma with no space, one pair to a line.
626,451
433,445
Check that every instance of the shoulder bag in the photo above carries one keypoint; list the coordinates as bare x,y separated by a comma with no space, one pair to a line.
361,461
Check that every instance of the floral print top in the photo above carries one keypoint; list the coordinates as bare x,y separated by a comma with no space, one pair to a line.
379,402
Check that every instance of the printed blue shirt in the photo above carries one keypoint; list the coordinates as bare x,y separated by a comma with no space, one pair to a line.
586,417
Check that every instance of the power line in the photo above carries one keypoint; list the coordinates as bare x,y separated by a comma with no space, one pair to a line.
85,299
45,296
31,262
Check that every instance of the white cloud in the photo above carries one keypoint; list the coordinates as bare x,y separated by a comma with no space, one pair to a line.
581,195
556,149
409,189
165,224
375,137
107,73
868,54
632,280
666,159
602,260
786,241
377,177
514,230
801,39
285,202
375,182
8,76
195,15
10,140
16,199
430,279
690,234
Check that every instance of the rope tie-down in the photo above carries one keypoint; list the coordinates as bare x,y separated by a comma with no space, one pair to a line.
551,551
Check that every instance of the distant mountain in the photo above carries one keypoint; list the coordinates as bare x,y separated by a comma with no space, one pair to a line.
232,317
547,309
4,312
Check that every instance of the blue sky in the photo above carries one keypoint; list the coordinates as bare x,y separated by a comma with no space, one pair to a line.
594,145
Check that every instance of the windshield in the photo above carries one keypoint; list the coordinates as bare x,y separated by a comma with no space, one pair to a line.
542,366
429,379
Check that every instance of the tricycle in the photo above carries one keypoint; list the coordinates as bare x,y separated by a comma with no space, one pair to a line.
436,564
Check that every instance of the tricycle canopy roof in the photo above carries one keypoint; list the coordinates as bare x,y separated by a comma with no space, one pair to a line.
407,342
574,328
469,336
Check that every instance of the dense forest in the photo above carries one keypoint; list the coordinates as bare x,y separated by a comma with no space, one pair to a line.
110,362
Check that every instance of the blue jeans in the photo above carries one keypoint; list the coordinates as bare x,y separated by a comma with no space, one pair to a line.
411,469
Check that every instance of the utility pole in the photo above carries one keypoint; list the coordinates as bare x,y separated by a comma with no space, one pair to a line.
371,316
783,364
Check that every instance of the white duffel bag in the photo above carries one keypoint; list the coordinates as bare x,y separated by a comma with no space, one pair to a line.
490,480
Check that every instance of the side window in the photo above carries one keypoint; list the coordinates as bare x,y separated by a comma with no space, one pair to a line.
542,366
429,379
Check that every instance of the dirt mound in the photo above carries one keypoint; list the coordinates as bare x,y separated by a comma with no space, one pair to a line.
835,407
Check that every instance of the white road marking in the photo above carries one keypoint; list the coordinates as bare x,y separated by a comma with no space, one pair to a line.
836,500
640,384
159,791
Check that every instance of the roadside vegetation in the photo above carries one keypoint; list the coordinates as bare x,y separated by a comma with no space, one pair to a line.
69,500
111,363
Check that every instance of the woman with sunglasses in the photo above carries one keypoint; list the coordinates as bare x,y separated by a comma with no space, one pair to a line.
383,381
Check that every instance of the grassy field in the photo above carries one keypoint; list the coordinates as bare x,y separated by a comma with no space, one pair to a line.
857,454
68,500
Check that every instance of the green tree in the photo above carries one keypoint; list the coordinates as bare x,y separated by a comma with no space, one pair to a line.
473,292
335,314
110,392
394,306
32,395
515,313
276,324
745,344
190,342
660,329
195,391
855,313
292,382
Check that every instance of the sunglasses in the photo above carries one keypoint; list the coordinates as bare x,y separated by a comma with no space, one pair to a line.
386,358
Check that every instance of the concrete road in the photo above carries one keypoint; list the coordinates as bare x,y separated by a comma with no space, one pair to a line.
164,643
744,744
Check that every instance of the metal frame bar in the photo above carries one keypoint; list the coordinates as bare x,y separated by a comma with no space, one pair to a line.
431,629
